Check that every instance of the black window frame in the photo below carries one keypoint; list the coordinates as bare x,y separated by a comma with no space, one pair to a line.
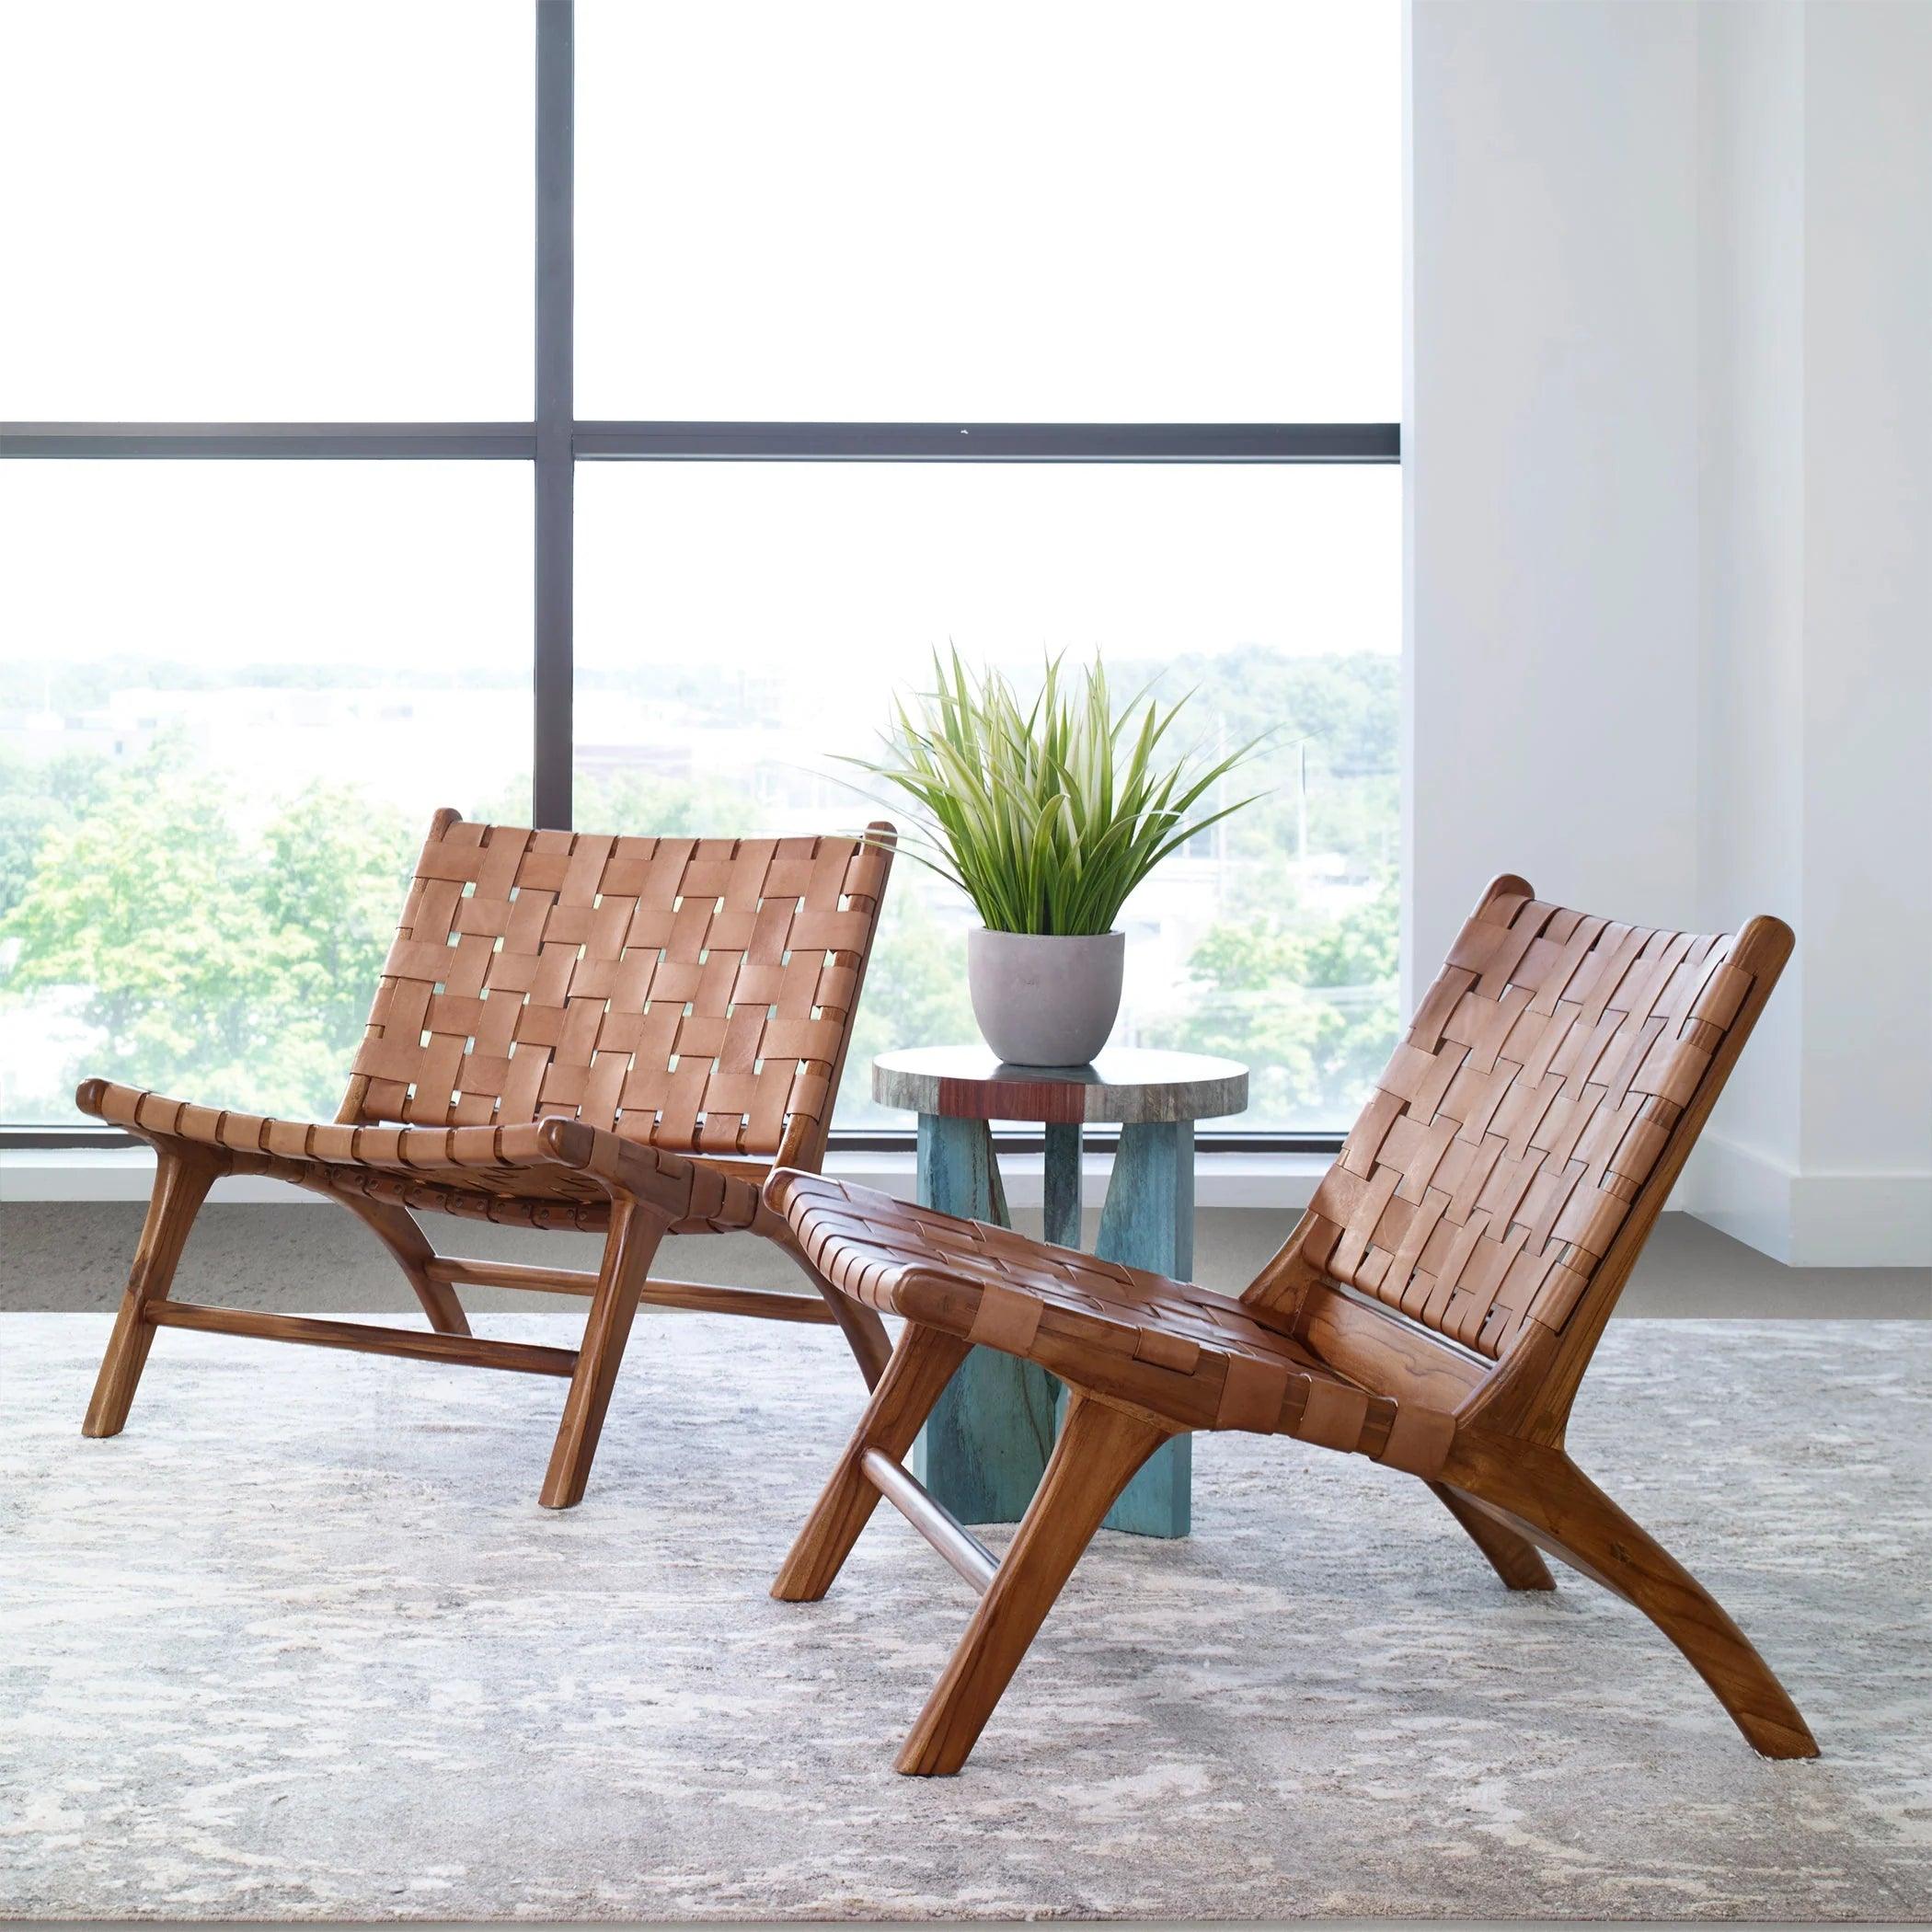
554,441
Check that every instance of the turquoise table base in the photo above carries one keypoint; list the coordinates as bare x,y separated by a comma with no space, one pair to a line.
985,1449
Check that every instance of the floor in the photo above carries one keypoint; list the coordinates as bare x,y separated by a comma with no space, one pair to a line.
301,1644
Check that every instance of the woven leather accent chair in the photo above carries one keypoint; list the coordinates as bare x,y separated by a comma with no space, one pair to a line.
619,1035
1434,1309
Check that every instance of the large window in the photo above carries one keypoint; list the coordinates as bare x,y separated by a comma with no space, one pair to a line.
221,210
1054,211
250,687
860,330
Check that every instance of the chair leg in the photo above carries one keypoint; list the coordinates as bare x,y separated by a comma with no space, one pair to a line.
1515,1560
635,1232
1099,1450
1569,1516
181,1184
395,1228
914,1379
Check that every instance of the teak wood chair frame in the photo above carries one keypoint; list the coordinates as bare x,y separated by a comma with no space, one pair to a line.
1435,1309
615,1035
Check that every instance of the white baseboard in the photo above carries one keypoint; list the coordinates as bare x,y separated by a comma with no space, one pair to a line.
1741,1191
1280,1181
1809,1220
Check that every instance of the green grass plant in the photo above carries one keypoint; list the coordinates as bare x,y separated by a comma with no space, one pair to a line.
1046,814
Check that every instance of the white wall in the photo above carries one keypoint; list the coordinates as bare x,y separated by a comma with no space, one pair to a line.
1551,457
1816,516
1670,535
1866,1148
1752,499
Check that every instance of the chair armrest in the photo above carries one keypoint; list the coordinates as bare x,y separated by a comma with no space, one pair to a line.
685,1188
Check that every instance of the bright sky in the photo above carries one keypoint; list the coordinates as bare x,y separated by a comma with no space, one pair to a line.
1007,210
222,209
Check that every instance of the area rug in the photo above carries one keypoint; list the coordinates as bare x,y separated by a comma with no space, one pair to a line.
301,1644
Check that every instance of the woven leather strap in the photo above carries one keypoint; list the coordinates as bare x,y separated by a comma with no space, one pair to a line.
1503,1145
693,993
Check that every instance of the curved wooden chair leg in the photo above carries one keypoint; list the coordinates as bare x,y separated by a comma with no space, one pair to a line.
1557,1504
914,1379
1516,1561
181,1184
395,1228
635,1232
1098,1452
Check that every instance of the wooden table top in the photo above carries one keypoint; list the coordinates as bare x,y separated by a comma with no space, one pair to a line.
1124,1085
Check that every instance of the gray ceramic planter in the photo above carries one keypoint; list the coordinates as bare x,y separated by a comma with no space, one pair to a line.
1045,999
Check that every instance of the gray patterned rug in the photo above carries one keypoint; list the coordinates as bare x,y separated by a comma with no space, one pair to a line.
301,1644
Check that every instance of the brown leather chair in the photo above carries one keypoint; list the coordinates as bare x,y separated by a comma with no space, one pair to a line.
623,1035
1434,1309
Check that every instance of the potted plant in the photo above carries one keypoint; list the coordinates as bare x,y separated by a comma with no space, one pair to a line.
1046,815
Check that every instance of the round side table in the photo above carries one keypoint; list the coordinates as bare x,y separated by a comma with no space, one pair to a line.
985,1446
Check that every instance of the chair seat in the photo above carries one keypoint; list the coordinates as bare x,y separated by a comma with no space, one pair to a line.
1192,1358
548,1173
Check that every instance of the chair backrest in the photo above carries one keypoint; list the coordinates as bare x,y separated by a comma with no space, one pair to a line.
693,993
1545,1096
